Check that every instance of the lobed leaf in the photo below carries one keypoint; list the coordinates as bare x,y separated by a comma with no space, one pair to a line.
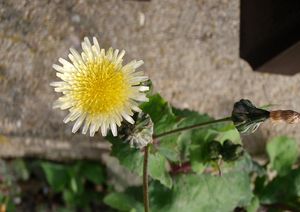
203,193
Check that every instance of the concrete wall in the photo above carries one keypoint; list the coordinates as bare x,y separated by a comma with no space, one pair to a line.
190,49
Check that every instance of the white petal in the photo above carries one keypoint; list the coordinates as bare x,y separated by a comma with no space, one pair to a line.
143,88
93,129
120,56
58,68
136,108
87,42
62,88
57,84
76,55
87,48
72,116
113,128
116,52
138,79
65,77
128,68
138,64
117,120
98,124
86,126
109,53
65,63
85,57
87,54
78,123
96,45
77,64
133,105
140,98
128,118
104,129
102,52
63,105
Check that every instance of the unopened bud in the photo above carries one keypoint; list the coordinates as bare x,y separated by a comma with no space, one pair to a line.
231,151
246,117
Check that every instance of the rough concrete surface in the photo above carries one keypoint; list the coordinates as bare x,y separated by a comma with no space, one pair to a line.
190,49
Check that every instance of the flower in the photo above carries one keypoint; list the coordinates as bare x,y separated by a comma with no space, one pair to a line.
98,91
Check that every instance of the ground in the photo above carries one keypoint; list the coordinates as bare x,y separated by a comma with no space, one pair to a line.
190,49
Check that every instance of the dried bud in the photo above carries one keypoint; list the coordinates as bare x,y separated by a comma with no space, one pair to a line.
231,151
139,134
287,116
246,117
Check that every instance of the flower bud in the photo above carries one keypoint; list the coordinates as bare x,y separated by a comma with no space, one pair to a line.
231,151
246,117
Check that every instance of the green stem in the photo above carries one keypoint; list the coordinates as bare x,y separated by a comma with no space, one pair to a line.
145,179
194,126
219,162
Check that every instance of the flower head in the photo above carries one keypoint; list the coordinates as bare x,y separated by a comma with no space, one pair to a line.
98,91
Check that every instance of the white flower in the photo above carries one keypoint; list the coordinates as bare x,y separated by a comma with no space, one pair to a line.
97,90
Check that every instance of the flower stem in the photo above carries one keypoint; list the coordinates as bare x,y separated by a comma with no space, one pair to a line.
145,179
194,126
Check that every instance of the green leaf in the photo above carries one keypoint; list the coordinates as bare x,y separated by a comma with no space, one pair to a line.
283,153
127,201
133,159
76,184
20,169
229,132
69,197
82,200
157,169
56,175
93,172
246,164
199,156
195,193
253,207
283,190
120,201
160,112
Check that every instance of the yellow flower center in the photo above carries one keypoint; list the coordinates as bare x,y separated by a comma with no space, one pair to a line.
100,88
